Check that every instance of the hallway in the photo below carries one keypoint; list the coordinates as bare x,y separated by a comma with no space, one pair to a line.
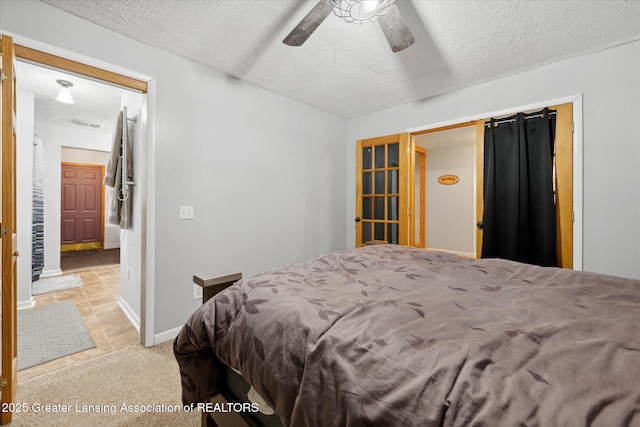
97,303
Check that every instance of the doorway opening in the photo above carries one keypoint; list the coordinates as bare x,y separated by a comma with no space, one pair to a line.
11,292
567,177
77,240
445,188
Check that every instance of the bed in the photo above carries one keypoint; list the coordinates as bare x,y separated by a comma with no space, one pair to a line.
387,335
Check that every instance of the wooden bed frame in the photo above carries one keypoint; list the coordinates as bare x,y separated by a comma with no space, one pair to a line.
211,285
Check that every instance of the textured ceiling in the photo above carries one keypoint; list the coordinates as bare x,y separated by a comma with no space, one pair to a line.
348,69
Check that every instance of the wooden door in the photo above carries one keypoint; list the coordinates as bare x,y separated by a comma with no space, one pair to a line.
82,217
382,190
563,168
8,229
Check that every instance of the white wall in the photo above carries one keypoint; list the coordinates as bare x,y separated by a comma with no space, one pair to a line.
83,155
265,174
450,209
608,81
54,137
131,238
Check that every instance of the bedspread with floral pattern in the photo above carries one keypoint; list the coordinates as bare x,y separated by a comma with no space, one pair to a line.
393,336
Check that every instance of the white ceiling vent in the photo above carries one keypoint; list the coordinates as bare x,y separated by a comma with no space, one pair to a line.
86,124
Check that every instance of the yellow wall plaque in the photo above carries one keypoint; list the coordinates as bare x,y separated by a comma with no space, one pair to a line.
448,179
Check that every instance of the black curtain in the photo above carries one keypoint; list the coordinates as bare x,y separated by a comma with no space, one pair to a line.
519,221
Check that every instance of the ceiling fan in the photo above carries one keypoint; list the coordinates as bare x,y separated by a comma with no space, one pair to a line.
359,11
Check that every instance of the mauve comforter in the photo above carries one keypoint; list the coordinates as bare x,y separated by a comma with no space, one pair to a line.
394,336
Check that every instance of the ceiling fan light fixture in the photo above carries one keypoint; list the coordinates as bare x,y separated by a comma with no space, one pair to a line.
360,11
65,92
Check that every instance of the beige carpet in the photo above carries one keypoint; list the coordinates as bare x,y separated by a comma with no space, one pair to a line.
132,376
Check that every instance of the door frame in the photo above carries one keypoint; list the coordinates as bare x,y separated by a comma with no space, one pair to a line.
8,230
577,102
146,85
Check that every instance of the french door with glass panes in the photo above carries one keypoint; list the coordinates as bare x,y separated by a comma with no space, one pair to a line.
382,190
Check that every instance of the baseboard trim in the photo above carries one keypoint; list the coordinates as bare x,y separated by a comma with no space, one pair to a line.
131,315
462,254
51,273
165,336
26,304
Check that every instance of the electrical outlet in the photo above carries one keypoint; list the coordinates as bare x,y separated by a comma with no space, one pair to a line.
197,291
186,212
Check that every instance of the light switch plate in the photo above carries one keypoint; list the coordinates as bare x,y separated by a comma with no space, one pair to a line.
186,212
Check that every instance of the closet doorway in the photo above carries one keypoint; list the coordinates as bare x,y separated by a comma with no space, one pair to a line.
446,187
409,174
563,177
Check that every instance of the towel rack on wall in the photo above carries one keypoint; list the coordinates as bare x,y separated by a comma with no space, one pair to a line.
126,182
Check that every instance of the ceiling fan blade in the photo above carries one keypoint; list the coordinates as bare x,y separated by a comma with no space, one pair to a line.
395,30
309,23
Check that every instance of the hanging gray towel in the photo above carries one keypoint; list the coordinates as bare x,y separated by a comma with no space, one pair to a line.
116,150
120,210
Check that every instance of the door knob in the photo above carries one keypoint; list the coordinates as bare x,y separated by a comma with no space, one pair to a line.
357,219
16,254
480,225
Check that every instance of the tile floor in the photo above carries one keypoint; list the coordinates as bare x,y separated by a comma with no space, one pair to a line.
97,303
